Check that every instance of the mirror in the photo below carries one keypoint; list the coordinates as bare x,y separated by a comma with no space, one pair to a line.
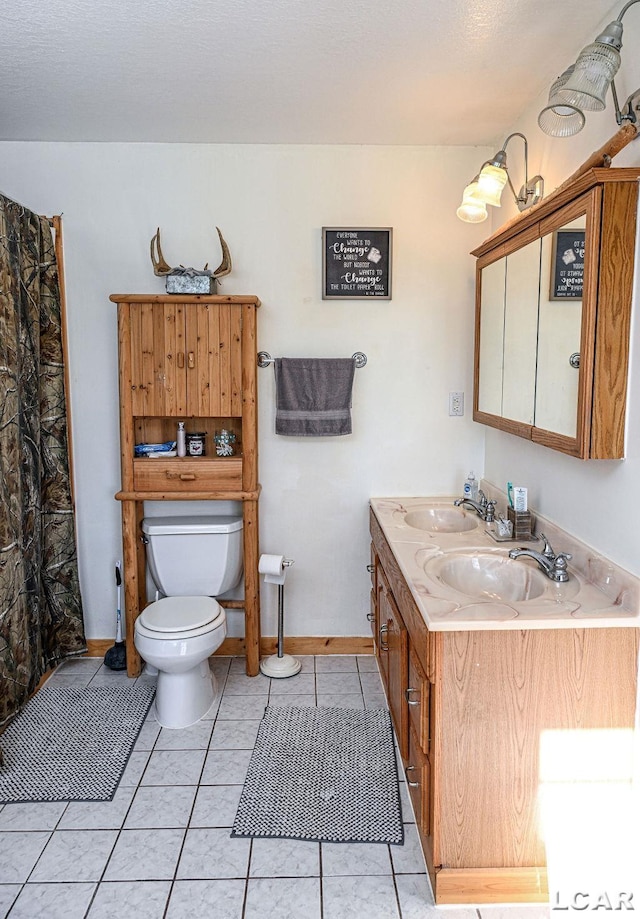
553,303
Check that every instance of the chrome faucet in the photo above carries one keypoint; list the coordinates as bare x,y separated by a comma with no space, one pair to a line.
554,566
483,508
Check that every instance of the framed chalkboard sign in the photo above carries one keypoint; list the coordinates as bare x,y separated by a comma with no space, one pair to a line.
567,265
356,263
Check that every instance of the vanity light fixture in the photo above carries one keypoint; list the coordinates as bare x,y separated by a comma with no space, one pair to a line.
583,86
473,208
487,187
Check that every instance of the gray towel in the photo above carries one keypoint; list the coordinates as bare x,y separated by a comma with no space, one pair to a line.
313,396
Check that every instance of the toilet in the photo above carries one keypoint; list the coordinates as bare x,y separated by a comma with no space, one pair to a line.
191,560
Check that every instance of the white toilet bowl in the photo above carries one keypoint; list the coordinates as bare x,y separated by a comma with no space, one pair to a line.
176,635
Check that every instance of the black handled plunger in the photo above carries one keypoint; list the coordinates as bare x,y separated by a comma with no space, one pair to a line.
116,656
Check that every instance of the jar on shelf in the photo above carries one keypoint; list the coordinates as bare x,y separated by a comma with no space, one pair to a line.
196,443
224,441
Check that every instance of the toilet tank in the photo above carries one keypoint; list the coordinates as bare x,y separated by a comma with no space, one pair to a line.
194,556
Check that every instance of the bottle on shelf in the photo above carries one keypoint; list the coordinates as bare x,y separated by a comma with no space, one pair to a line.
181,440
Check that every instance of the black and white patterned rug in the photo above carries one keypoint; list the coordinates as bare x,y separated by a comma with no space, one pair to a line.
325,774
71,744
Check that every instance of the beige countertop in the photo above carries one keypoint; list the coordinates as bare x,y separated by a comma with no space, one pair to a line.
598,594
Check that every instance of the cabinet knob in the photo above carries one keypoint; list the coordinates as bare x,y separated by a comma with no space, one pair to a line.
407,770
191,360
407,695
371,616
180,359
187,477
370,568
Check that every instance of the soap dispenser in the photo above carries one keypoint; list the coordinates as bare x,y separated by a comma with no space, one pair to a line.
471,487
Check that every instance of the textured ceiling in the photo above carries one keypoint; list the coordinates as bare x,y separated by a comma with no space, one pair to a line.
282,71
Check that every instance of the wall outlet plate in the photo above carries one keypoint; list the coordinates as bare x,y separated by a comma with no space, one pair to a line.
456,403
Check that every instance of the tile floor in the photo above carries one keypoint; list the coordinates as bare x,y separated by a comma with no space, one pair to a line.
162,847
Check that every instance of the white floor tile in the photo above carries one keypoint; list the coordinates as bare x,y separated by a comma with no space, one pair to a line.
98,815
336,663
340,700
148,734
211,853
283,898
36,816
218,899
225,767
18,854
172,767
371,682
242,708
53,901
216,805
135,768
280,858
367,663
408,858
142,899
519,912
355,858
75,855
234,735
145,855
301,683
284,699
241,684
161,806
355,898
416,899
8,894
338,683
195,737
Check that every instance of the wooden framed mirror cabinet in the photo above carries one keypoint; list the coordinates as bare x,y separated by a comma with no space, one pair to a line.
554,289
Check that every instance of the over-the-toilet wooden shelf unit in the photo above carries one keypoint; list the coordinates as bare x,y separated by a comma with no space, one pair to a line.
192,359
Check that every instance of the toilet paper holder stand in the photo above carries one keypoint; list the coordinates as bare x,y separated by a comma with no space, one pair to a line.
280,665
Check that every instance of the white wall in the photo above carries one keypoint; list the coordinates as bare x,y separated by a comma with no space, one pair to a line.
271,203
594,500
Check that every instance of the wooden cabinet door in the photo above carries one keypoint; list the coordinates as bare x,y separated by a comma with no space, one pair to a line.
186,359
394,652
418,696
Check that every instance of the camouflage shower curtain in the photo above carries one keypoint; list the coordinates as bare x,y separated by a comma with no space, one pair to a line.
40,606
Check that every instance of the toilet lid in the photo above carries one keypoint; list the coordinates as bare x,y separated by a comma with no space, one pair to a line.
180,614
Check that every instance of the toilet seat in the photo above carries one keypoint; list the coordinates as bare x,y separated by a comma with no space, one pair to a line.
180,617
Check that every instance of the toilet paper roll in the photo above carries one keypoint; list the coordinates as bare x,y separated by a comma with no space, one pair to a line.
273,568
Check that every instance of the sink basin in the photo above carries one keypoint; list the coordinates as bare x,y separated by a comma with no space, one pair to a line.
441,519
487,576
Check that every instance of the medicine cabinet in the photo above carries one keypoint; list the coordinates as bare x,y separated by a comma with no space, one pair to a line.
553,308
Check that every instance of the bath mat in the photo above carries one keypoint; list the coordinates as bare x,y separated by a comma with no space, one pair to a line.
72,744
324,774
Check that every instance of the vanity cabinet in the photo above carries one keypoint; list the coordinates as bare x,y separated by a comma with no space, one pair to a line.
405,652
553,309
190,359
492,725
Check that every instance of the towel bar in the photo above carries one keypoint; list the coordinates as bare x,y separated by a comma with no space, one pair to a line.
264,359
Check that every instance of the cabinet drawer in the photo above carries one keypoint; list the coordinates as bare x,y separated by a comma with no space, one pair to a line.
418,775
187,474
418,700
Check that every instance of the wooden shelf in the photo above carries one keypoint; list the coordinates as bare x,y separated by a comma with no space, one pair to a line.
193,359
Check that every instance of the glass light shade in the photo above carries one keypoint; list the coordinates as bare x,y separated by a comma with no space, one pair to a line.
472,209
491,181
558,119
586,88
